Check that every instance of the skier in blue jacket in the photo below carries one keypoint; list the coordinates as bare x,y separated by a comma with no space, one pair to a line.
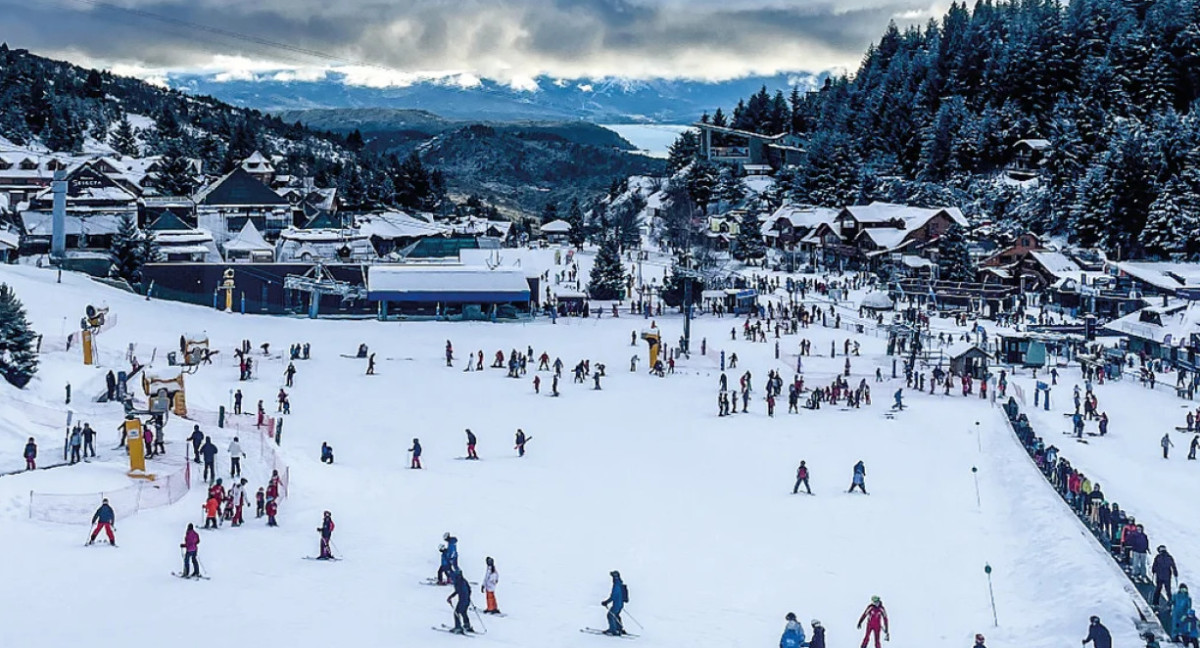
451,550
1180,604
1189,630
793,633
615,603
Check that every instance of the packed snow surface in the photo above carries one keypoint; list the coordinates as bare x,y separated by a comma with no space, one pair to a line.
696,511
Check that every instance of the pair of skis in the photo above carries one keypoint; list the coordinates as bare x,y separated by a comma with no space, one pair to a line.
605,633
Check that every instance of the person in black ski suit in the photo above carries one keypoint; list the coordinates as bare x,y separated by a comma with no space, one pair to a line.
1163,569
462,589
197,439
209,452
1098,635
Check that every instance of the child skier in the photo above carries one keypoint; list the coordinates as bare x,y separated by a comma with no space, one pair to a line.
471,445
859,479
326,531
521,441
416,454
190,545
490,579
793,633
103,519
31,454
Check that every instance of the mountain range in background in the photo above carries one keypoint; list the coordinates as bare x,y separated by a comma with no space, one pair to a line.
599,101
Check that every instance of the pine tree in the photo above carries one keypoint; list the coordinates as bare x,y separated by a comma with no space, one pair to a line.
174,177
127,251
954,259
1167,226
683,151
749,243
730,189
549,213
123,140
578,233
607,280
18,356
701,182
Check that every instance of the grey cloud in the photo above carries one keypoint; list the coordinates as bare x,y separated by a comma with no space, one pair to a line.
493,38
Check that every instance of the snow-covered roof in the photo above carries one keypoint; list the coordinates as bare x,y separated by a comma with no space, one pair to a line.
248,240
41,223
913,217
1056,263
446,283
9,239
559,226
321,235
1165,275
393,225
1035,144
802,216
183,237
914,261
1175,324
886,237
958,349
257,163
877,299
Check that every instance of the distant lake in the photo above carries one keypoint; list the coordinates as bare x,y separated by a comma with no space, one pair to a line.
651,139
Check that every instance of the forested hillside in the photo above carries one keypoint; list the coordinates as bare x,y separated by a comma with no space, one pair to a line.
932,114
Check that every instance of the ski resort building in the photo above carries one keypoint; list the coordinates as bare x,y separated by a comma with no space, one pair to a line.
448,291
751,151
95,206
225,206
310,245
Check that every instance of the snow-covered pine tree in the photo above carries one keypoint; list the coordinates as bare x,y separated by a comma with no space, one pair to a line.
607,280
954,259
18,354
731,189
126,251
578,233
123,140
683,151
749,243
175,177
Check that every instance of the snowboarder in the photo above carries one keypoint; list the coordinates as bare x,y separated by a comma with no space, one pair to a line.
801,478
876,617
490,579
103,519
471,445
197,439
521,441
859,479
371,365
615,603
190,545
30,454
237,402
793,633
899,396
326,531
209,452
462,589
326,453
416,454
235,458
1098,635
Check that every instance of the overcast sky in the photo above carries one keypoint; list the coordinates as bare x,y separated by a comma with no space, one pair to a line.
393,41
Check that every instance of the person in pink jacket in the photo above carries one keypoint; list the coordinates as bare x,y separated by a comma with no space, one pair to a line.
191,543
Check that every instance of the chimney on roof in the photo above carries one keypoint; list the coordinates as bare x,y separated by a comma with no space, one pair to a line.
58,239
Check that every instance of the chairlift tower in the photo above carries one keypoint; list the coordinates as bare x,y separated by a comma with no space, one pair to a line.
318,281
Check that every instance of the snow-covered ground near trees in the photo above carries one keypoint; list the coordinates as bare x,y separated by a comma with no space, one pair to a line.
695,510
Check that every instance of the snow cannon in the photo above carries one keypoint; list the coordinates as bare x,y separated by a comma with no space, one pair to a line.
193,348
654,339
227,286
89,326
132,429
164,389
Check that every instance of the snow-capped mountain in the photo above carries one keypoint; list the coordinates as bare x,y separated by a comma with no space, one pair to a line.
599,100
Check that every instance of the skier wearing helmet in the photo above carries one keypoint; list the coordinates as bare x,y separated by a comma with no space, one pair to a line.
326,531
979,641
793,633
451,550
1164,570
1098,635
876,617
818,638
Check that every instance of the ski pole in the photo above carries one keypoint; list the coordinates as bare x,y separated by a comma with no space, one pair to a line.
479,618
639,625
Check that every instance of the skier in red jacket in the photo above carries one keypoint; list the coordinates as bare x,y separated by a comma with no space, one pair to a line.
876,617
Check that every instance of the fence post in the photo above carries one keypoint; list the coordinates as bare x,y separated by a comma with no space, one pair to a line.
30,505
